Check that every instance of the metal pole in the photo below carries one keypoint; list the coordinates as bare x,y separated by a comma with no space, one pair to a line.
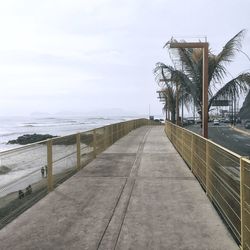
182,109
232,111
182,101
177,104
235,109
168,109
194,112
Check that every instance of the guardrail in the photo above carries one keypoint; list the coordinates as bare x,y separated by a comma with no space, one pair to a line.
223,174
28,173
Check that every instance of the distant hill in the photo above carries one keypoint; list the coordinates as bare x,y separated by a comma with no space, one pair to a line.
98,112
39,114
245,110
111,112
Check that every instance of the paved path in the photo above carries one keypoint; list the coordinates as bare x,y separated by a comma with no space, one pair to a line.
138,194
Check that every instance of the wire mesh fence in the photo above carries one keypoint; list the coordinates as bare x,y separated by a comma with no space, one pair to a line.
223,174
22,182
245,203
223,185
29,172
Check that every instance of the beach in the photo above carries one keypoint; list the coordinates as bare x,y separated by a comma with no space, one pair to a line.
11,205
21,166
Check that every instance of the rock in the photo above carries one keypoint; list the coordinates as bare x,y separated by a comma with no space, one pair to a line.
86,139
4,170
30,138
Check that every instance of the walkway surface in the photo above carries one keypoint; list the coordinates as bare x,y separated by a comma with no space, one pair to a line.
138,194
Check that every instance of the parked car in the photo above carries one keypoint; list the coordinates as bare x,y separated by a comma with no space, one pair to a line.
185,122
191,121
247,124
238,120
216,122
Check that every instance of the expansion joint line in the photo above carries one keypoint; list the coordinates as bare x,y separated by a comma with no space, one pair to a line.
132,175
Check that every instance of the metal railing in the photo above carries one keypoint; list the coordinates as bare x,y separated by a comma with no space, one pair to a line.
28,173
223,174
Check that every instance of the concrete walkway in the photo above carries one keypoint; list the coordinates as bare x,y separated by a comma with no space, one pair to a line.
138,194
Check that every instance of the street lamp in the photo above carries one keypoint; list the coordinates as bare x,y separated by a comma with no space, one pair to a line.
204,46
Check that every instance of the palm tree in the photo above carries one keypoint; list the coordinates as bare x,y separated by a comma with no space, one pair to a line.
168,94
171,89
190,76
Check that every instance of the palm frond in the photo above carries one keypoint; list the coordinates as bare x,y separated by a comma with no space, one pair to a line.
217,70
234,87
186,57
231,47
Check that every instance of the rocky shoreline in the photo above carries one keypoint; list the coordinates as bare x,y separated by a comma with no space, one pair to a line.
65,140
30,138
4,169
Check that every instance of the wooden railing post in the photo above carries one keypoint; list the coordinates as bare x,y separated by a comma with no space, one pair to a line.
192,153
49,166
112,134
117,132
78,151
94,143
105,137
182,141
207,167
109,135
242,196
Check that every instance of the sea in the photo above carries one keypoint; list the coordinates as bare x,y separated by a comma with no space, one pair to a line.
24,165
14,126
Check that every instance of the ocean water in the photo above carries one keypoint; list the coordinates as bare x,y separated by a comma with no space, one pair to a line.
24,164
12,127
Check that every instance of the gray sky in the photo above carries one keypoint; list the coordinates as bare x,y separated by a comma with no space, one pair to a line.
82,55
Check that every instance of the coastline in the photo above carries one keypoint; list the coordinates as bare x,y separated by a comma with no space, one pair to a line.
13,127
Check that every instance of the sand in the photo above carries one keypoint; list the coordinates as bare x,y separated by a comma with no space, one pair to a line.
25,164
11,206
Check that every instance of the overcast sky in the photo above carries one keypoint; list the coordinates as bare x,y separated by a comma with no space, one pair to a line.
84,55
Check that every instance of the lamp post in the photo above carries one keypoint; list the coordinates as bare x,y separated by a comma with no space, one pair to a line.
204,46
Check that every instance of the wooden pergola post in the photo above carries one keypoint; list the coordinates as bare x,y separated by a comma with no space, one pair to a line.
204,46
